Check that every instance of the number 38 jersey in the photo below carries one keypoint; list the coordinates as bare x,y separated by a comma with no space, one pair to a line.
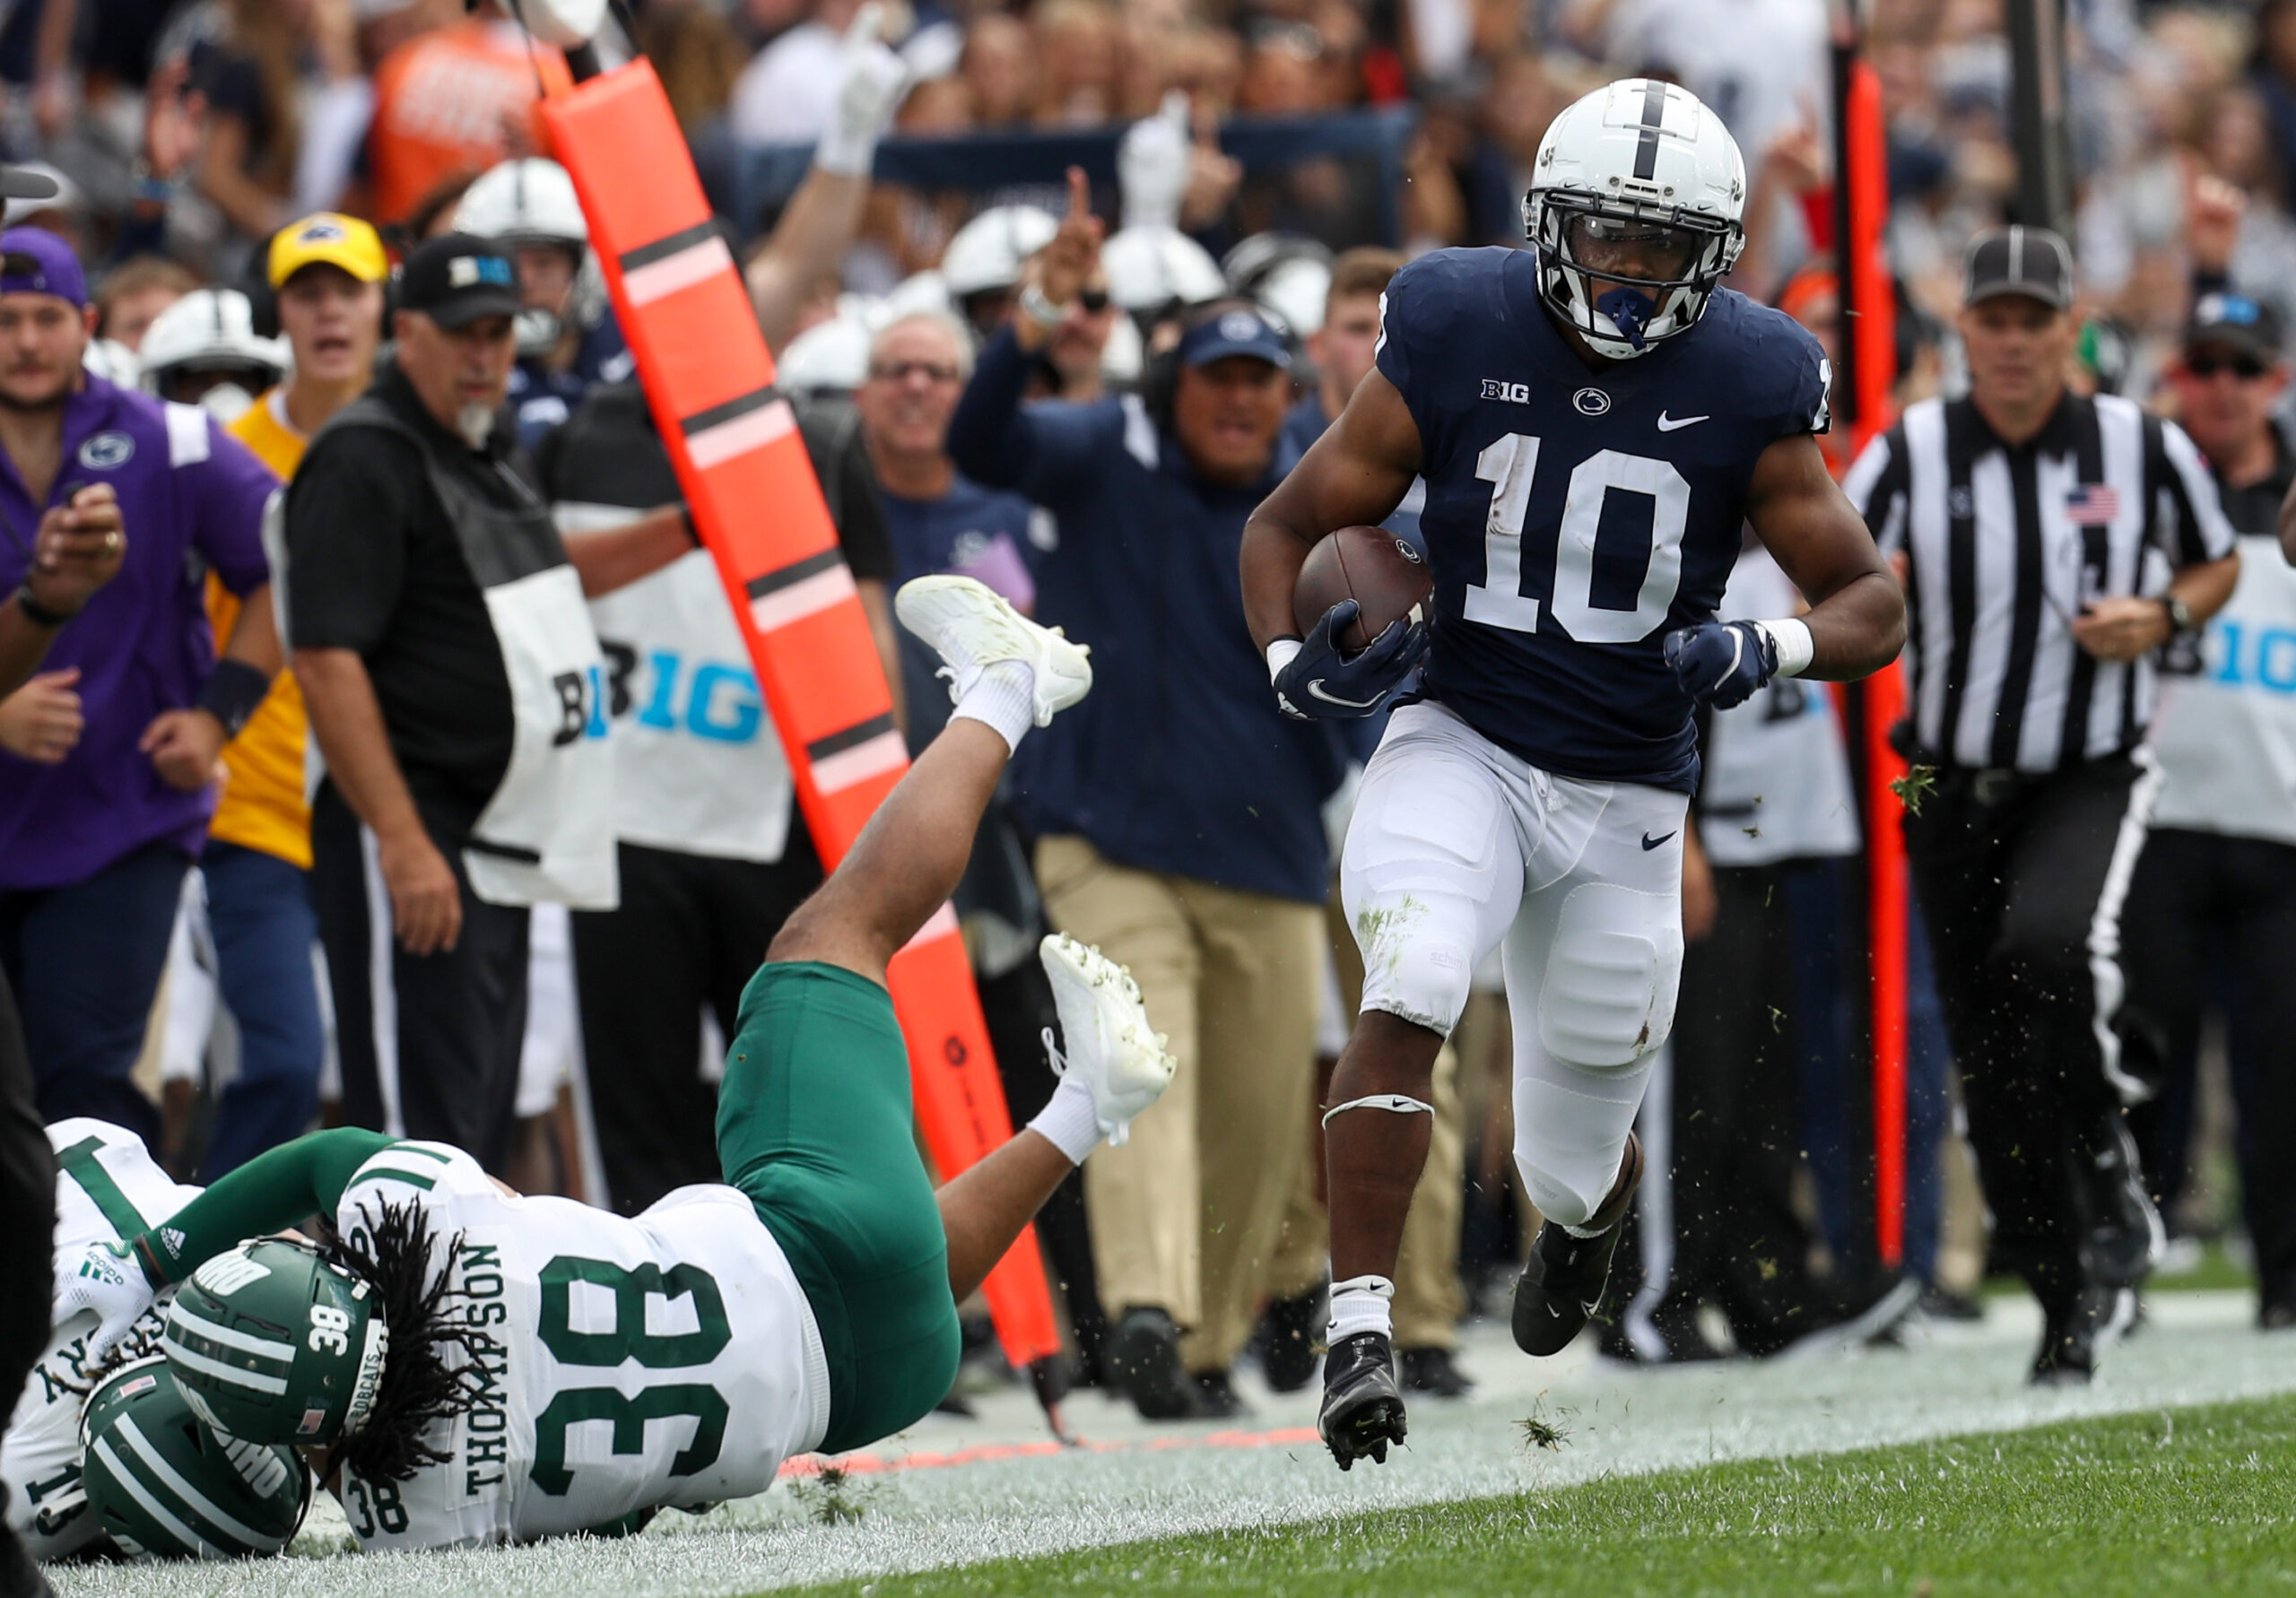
624,1364
1574,517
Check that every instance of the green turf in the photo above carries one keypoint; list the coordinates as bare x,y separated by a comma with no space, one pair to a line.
2198,1501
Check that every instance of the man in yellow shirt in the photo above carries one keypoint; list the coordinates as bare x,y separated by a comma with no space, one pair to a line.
328,272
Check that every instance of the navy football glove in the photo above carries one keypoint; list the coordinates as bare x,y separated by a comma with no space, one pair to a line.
1319,682
1721,663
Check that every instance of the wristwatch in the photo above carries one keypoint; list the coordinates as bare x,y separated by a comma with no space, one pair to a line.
2180,620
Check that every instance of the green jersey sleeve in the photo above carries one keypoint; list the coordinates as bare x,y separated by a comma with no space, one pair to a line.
268,1194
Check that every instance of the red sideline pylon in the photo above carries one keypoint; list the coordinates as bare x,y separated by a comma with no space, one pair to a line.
751,491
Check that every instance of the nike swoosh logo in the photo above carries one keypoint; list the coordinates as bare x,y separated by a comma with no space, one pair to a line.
1315,691
1667,425
1649,843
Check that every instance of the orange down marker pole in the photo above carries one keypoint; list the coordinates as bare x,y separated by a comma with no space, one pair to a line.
1865,280
734,442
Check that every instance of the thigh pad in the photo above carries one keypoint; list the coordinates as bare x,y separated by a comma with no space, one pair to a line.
1608,997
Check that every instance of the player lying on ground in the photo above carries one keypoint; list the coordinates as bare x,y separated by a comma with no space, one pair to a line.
483,1367
1595,420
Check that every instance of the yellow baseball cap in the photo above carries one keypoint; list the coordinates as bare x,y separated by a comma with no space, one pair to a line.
335,240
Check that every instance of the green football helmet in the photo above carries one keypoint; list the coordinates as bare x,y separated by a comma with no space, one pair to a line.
272,1344
165,1486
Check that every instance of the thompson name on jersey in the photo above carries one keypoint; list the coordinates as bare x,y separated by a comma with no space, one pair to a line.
1574,517
621,1364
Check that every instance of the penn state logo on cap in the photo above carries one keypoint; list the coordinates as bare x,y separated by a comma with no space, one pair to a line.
1236,332
106,450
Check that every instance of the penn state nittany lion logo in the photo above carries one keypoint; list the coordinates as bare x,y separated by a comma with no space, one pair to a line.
1239,326
107,450
1590,402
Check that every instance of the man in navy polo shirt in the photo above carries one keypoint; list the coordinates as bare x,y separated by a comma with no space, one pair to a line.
93,847
1178,822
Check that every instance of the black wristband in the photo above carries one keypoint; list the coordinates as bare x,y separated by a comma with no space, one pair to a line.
36,613
233,693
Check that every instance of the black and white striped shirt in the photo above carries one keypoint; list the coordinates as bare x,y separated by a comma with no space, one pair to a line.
2007,545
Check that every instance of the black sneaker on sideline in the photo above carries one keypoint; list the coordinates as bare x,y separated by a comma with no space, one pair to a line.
1362,1411
1942,1304
1290,1338
1434,1370
1144,1356
2125,1237
1860,1317
2070,1343
1564,1282
1216,1398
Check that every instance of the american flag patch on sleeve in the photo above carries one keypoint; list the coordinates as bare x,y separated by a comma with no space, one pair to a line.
2092,505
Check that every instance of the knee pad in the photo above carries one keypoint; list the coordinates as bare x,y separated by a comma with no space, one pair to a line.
1410,970
1608,995
1559,1198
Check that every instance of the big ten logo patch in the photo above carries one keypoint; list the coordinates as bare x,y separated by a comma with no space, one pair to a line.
581,701
709,699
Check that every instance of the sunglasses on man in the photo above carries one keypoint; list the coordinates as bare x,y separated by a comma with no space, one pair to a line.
2208,363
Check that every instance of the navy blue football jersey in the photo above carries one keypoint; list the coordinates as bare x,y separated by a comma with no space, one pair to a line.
1574,517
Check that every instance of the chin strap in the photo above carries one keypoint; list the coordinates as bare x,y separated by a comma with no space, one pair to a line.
1394,1103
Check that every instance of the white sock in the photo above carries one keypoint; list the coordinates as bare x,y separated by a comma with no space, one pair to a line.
1005,696
1360,1305
1069,1121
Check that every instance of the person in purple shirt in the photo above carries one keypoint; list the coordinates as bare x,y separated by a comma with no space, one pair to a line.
93,847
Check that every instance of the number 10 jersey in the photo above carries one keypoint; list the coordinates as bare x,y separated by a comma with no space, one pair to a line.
1574,517
623,1364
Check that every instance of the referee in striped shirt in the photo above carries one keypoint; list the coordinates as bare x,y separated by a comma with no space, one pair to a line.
2051,544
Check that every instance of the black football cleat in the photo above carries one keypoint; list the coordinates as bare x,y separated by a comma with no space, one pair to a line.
1564,1282
2071,1342
1362,1411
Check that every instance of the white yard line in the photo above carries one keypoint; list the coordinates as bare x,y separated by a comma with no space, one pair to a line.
1141,1482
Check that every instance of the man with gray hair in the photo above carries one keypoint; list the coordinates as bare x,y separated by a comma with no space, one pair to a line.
938,519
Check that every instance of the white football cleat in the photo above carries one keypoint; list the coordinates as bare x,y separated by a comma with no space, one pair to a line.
1110,1047
971,628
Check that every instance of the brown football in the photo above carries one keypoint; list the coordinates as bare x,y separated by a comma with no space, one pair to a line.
1371,566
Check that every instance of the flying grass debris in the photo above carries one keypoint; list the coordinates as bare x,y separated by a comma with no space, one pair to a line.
1539,1432
1915,786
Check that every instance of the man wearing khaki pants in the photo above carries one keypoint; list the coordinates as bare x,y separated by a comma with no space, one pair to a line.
1177,814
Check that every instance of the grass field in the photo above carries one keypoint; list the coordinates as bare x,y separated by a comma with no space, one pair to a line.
1725,1478
2176,1501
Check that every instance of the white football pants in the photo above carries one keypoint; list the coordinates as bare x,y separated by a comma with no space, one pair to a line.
1458,845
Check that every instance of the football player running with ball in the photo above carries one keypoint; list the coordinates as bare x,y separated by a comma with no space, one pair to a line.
483,1367
1595,420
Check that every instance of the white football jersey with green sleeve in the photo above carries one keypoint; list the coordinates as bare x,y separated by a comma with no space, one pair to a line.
626,1363
107,1188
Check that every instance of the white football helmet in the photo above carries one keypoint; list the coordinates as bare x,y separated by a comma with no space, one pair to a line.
989,251
1150,267
829,358
532,201
211,332
1636,206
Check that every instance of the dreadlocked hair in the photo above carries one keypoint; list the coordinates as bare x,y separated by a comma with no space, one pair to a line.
391,1254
